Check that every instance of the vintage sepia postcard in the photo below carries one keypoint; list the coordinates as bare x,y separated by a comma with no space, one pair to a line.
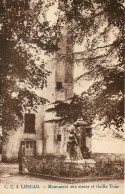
62,96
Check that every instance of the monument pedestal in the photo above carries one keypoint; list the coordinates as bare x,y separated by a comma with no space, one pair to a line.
84,162
82,136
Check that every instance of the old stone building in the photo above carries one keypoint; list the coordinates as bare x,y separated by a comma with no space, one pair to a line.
39,134
43,135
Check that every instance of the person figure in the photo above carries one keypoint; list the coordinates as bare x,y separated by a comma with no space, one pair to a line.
71,144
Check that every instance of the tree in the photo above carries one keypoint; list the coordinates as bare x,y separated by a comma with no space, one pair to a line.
19,70
91,23
99,26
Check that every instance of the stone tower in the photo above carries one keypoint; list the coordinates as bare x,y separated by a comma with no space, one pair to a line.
60,87
60,82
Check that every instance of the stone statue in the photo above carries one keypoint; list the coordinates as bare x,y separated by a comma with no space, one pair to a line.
71,145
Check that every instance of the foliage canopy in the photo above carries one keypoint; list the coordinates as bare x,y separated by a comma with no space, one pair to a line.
92,23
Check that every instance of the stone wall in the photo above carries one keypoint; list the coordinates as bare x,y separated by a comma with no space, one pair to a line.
108,157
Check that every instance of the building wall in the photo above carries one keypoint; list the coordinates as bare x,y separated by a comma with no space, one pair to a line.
12,140
49,91
11,145
53,144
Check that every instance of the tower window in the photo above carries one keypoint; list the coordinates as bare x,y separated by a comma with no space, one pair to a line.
58,137
29,123
59,85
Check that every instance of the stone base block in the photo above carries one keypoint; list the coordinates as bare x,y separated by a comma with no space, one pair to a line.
86,162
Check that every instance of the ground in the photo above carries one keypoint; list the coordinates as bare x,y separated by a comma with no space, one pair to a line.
12,182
